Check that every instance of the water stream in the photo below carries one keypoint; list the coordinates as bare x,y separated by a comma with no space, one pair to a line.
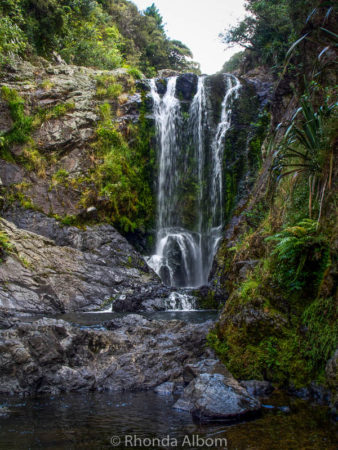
91,420
190,190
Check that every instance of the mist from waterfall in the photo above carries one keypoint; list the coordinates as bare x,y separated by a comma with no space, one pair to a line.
190,193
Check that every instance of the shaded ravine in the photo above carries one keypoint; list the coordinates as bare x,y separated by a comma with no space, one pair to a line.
190,171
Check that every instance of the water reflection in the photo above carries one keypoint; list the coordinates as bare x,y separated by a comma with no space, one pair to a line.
89,420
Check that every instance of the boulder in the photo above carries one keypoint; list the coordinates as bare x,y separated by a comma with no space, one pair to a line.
214,397
64,268
192,371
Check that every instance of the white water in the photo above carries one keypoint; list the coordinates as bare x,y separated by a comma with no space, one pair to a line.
184,255
178,301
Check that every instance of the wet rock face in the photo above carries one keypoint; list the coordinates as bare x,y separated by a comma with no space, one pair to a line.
143,298
51,356
186,86
65,268
214,395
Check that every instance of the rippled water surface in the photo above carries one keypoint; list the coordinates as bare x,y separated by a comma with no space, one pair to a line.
90,420
94,319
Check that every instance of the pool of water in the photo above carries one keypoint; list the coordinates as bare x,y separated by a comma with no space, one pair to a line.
92,420
96,319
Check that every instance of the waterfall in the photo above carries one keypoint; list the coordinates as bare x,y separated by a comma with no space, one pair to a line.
190,184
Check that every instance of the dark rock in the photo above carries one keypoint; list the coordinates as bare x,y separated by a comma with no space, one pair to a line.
319,393
303,393
161,85
142,85
331,372
51,356
132,106
314,392
186,86
245,267
76,270
258,388
4,412
211,366
217,397
144,298
10,173
167,388
167,73
8,319
6,121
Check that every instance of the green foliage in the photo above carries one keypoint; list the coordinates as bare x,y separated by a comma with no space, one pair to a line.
101,33
61,176
69,221
12,40
22,124
307,147
22,128
234,63
5,245
55,112
107,87
302,257
135,73
261,128
294,352
322,331
122,177
305,141
269,29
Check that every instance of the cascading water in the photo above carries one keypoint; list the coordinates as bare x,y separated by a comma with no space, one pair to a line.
190,184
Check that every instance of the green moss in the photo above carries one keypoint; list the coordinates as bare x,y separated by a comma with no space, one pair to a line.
135,73
5,245
268,330
319,319
61,177
22,123
122,177
70,220
260,131
55,112
22,128
108,87
207,301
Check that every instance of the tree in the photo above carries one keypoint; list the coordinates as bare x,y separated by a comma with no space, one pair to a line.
270,28
152,11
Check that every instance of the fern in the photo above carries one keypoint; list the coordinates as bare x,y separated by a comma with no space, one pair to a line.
302,256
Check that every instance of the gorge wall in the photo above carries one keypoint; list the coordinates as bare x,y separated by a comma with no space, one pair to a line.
71,138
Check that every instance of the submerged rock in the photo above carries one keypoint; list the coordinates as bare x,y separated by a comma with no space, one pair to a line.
258,388
4,412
